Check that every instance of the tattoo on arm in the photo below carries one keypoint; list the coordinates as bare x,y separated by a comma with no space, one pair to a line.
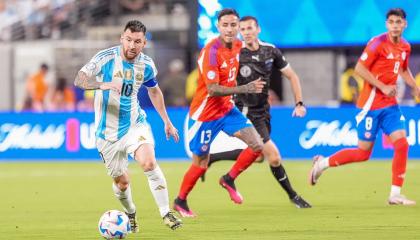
217,90
85,82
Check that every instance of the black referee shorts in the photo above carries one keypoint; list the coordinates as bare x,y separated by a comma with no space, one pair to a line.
261,119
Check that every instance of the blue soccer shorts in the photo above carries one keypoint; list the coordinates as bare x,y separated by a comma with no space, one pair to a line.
388,119
202,134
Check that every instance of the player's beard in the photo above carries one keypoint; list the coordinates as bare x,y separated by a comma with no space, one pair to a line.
229,45
129,55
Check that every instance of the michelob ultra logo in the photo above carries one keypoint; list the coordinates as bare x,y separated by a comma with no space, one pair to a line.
26,136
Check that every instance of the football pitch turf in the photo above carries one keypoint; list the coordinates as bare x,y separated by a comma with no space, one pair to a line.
50,200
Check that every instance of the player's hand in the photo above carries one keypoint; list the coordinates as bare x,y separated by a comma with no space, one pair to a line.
389,90
170,130
299,111
256,86
114,86
416,92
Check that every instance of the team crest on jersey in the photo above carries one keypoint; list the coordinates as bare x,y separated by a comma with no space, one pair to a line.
403,55
128,74
211,75
364,56
368,135
245,71
91,66
139,77
204,147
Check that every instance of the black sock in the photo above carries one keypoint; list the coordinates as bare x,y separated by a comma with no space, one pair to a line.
229,155
280,174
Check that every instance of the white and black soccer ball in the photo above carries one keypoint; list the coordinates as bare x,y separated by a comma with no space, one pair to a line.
114,224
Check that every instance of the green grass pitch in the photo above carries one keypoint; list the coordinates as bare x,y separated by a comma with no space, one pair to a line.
65,200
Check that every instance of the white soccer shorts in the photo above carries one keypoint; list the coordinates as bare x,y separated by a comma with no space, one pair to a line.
115,154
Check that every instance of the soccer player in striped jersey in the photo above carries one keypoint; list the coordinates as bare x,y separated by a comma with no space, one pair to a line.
212,110
116,75
384,58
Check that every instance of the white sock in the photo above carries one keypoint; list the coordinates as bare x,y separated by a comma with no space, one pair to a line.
395,190
125,198
324,163
159,189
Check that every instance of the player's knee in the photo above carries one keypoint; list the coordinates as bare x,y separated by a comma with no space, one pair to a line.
364,155
257,145
123,185
401,145
148,165
274,160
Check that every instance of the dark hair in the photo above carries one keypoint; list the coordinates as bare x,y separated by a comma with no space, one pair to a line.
44,66
61,84
396,12
227,11
246,18
135,26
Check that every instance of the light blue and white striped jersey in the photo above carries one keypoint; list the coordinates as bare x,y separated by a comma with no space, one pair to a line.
115,113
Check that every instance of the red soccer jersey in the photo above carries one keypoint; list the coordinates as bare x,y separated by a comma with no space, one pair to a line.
216,64
383,59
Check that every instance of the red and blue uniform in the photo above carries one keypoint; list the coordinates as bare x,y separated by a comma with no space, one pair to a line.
384,59
211,114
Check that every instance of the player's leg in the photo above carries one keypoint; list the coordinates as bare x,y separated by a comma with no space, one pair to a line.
345,156
239,126
273,157
200,136
122,191
196,170
140,144
368,124
145,156
117,166
393,125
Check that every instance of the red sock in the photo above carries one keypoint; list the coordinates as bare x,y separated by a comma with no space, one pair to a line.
399,162
245,159
349,155
190,178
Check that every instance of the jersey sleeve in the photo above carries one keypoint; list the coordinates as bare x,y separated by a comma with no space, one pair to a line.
279,59
95,65
406,59
150,73
370,53
207,62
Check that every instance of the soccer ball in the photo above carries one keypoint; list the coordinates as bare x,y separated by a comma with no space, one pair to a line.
114,224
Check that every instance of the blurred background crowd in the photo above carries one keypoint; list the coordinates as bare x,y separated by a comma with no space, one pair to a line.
43,43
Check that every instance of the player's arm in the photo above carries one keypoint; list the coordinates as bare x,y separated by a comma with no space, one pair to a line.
287,70
368,58
209,70
291,75
362,71
156,97
86,82
86,77
409,79
256,86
